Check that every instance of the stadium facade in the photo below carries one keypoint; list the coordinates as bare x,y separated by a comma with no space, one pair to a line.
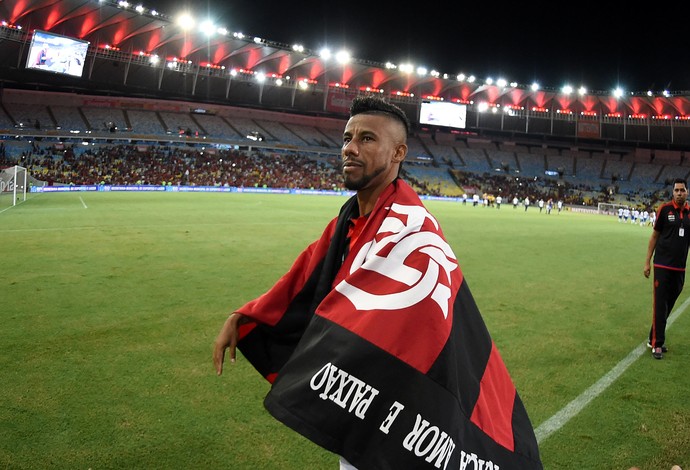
138,52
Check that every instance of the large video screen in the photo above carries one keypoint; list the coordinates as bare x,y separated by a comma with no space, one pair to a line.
440,113
56,53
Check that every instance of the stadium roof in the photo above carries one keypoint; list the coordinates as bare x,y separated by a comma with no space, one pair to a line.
119,32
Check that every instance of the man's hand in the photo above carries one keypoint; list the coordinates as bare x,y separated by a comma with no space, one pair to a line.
227,339
647,269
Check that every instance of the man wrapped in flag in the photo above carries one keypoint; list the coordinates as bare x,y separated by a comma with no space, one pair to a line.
372,340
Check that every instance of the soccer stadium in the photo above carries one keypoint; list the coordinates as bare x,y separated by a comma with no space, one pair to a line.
154,178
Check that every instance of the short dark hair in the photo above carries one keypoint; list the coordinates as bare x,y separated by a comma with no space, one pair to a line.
681,181
377,105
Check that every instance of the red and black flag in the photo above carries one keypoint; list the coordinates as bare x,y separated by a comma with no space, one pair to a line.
378,352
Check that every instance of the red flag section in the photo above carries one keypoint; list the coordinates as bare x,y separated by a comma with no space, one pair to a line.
493,412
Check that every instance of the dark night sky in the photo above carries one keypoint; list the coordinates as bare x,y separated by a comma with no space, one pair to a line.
607,45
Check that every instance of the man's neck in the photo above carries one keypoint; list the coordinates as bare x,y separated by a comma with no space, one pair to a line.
366,198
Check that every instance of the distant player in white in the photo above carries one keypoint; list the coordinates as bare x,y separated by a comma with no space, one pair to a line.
620,214
644,217
626,215
560,206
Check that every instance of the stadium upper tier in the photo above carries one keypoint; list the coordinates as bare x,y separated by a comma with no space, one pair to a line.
131,51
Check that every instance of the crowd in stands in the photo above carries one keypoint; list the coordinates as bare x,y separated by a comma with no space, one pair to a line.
193,166
160,165
545,189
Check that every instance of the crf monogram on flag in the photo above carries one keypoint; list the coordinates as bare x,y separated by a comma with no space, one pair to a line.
421,284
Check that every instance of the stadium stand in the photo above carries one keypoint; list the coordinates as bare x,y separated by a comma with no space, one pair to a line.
105,119
667,157
475,160
217,126
281,133
588,170
560,162
669,172
6,121
502,160
26,115
180,124
69,118
616,168
145,122
645,174
247,126
531,165
312,136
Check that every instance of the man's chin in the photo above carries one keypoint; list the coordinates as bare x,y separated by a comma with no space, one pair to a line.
353,185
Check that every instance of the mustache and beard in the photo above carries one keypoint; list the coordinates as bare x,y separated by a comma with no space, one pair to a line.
354,183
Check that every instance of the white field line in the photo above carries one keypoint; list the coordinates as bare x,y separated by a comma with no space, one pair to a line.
83,203
569,411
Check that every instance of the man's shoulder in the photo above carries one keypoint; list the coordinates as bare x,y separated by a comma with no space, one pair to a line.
666,206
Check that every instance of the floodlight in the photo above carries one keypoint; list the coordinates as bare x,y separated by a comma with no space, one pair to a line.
185,21
342,57
207,27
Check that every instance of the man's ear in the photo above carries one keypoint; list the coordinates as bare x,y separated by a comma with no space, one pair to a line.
400,153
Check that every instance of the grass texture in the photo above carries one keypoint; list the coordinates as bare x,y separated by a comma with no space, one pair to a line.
110,302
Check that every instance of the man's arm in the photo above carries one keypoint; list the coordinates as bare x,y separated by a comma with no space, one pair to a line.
650,251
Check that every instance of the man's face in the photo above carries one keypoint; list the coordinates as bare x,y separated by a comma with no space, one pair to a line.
372,151
680,193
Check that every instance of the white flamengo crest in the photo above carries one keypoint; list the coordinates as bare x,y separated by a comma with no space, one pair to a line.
408,239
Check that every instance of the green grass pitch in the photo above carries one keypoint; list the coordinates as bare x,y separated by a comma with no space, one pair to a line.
110,302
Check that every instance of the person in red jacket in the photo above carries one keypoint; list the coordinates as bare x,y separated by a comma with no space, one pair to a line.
669,245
